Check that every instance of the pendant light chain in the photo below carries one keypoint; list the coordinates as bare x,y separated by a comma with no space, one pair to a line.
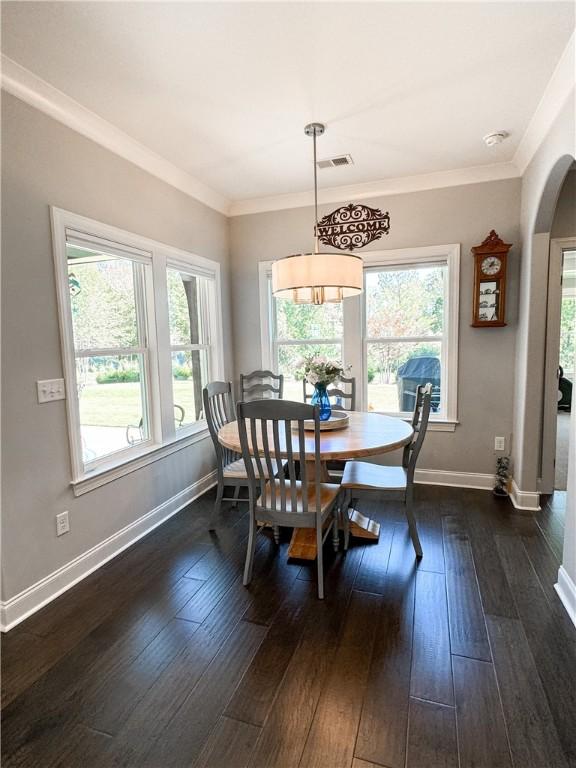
315,197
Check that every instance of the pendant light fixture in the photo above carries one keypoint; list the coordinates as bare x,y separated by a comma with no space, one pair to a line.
318,277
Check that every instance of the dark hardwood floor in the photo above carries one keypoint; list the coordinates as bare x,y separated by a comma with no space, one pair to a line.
162,658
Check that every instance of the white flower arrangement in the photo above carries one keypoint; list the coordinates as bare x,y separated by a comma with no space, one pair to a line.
318,369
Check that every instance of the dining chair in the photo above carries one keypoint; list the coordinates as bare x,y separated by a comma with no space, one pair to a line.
345,395
362,478
219,410
260,384
266,429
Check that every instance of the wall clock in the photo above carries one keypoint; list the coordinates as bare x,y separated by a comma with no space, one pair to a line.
489,301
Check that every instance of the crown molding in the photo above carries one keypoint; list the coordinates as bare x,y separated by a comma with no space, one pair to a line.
30,88
401,185
559,89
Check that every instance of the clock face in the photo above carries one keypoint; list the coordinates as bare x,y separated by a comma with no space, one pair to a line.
491,265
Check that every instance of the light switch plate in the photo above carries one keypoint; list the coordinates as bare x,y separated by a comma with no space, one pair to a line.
51,389
499,443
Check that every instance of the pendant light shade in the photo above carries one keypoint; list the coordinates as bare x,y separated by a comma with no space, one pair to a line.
317,278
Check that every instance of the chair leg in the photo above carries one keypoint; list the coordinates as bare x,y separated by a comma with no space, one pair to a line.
319,560
413,529
250,551
217,506
276,530
236,496
336,528
346,520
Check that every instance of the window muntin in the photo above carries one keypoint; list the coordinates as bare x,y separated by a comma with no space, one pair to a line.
405,318
110,347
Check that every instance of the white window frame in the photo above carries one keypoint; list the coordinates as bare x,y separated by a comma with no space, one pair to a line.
354,353
158,257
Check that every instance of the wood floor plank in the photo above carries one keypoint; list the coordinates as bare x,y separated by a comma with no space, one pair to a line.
429,521
110,706
335,723
495,591
163,700
384,720
283,736
481,726
183,739
57,700
230,744
551,637
224,574
533,737
431,736
467,628
372,573
253,698
431,677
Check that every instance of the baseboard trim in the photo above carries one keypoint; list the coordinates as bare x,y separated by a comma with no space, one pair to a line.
30,600
454,479
528,501
566,590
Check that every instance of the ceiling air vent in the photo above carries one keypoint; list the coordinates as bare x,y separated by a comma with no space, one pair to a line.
334,162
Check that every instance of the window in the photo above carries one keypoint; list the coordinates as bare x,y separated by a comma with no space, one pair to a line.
299,330
112,361
402,331
141,337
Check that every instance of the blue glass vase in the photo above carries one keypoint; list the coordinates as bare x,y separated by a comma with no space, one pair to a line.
321,399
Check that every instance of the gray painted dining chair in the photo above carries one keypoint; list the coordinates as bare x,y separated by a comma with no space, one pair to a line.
261,384
218,411
395,483
267,429
344,392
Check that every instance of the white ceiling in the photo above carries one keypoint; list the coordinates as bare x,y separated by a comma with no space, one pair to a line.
223,90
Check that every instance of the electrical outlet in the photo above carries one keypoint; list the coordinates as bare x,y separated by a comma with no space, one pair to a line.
51,389
62,523
499,443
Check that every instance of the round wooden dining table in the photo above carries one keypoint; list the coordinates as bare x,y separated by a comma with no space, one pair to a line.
367,434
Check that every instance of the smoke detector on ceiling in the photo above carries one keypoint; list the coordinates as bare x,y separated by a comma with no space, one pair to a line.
335,162
491,139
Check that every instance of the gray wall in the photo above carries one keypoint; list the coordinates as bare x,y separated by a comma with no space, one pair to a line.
541,185
462,215
43,164
564,224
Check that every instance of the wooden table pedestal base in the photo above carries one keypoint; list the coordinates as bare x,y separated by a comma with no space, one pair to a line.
303,543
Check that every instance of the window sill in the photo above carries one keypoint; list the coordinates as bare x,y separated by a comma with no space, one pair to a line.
103,475
434,425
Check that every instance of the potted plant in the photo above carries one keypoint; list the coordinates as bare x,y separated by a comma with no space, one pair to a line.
502,476
320,371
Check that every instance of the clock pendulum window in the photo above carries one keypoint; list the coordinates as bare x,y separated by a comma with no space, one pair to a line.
489,300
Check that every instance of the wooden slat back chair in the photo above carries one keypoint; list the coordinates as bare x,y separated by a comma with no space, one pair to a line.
267,429
261,384
362,478
219,410
345,390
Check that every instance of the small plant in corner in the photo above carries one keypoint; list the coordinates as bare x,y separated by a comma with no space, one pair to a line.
502,476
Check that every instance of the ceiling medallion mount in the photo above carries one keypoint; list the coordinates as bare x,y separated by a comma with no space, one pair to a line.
318,277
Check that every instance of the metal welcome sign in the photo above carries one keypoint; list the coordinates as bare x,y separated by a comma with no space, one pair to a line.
353,226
